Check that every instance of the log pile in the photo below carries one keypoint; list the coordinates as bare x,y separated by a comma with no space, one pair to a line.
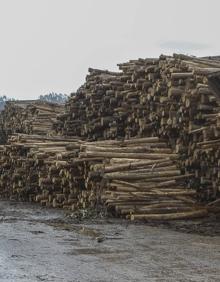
202,153
92,112
169,97
46,170
136,178
148,97
204,159
30,169
156,130
29,117
140,179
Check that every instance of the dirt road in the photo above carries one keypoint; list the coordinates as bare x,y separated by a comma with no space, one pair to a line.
38,245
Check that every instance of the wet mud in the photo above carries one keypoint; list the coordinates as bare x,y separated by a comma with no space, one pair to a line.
37,244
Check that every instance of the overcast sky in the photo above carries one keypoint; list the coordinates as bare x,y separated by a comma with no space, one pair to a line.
48,45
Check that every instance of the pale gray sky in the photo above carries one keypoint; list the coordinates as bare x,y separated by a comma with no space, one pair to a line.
48,45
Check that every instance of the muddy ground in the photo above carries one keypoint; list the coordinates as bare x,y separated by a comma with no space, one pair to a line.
38,244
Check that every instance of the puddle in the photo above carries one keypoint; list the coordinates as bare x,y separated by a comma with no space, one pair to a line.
36,232
95,251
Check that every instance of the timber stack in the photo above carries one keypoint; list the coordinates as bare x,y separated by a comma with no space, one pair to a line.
136,178
150,149
170,97
139,179
29,117
30,169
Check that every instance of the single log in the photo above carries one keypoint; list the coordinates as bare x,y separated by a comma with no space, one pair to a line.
170,216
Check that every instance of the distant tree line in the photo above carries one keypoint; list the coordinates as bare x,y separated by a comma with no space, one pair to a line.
54,97
3,100
51,97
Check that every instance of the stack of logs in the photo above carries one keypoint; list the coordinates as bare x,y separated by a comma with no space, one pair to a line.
32,170
169,97
136,178
204,158
139,179
29,117
153,111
